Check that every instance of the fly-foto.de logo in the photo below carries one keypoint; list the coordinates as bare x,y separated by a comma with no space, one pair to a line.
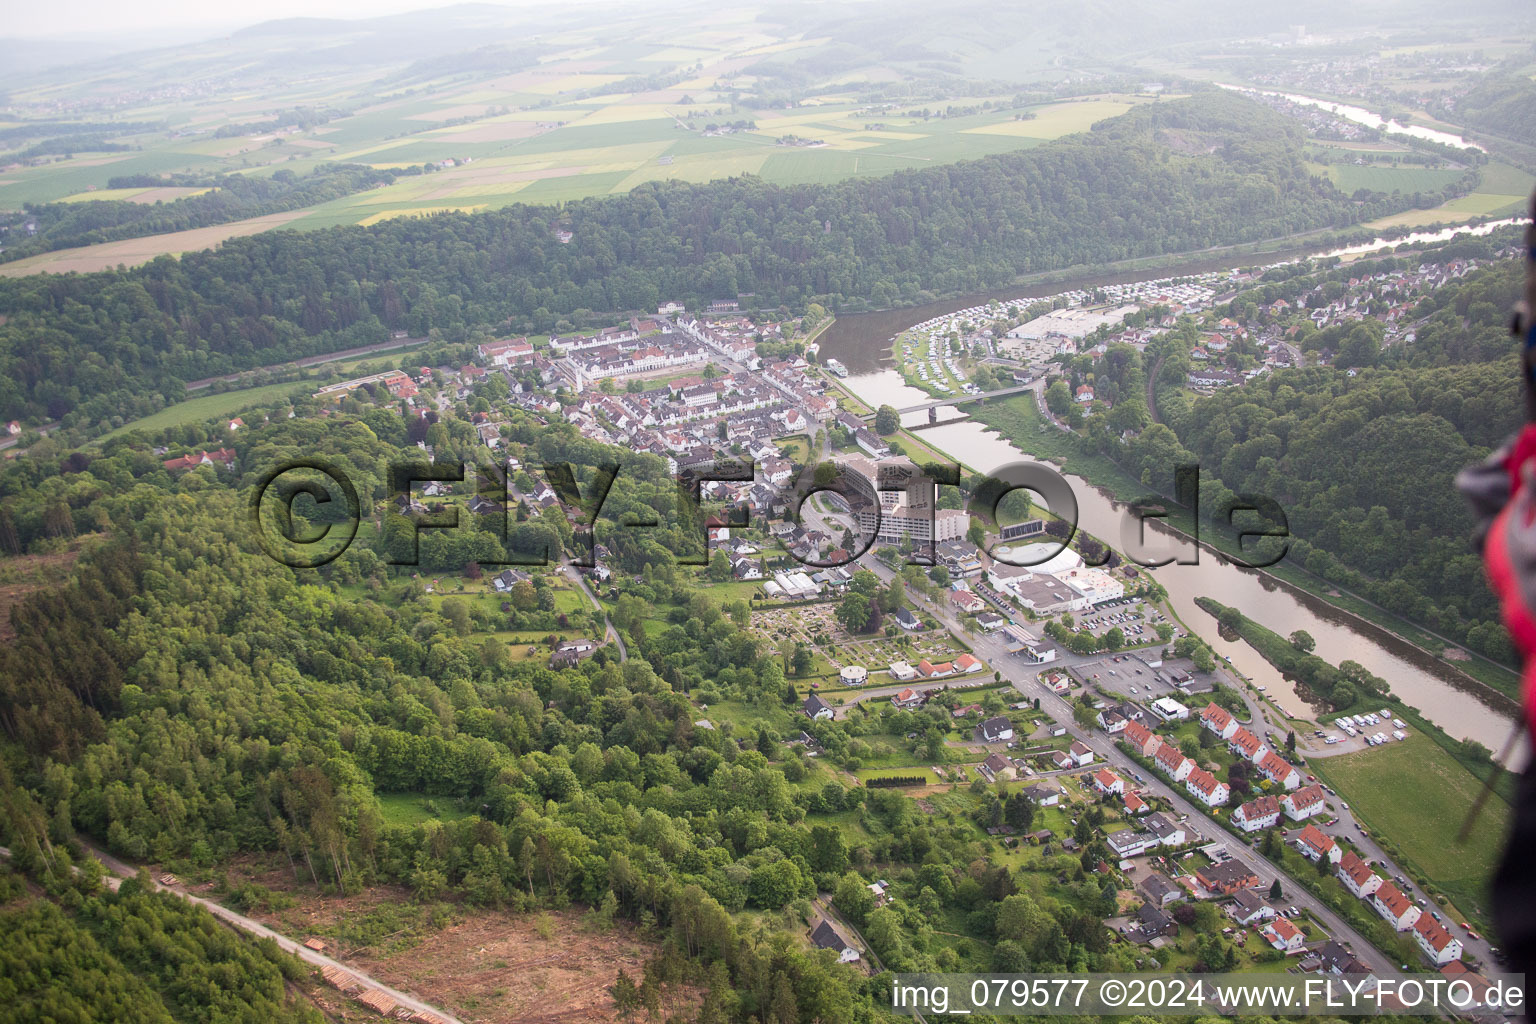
308,512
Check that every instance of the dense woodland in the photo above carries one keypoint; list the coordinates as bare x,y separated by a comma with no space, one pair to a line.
1165,177
185,698
1360,453
1504,104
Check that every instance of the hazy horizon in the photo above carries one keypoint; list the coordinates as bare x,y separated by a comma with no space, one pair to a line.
63,22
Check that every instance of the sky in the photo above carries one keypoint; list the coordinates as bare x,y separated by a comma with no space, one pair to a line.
184,19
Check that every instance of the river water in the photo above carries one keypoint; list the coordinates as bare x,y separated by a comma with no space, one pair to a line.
1360,115
1422,681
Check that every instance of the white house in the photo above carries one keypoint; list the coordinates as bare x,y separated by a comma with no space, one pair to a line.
1172,761
1357,876
1107,782
1080,753
1396,908
1283,935
1315,845
1169,710
815,707
1436,941
1305,802
1219,720
1207,788
1263,812
1279,771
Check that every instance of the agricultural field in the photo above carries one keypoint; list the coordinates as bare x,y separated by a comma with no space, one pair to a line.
203,407
1504,191
133,251
589,117
1414,792
1379,178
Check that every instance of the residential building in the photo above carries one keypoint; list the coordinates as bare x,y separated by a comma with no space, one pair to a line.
1396,908
1303,803
1436,941
1141,739
1107,782
1246,745
824,936
996,729
1167,831
815,707
1219,720
1170,760
1159,890
1042,795
1357,876
1248,908
1263,812
1283,935
1315,845
1081,754
1207,788
996,767
1279,771
1227,877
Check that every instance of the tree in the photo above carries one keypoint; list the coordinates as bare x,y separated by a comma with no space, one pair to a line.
773,885
887,420
853,898
1302,641
626,996
1058,398
853,611
1276,894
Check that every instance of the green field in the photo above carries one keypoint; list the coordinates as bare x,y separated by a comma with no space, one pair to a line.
205,407
1414,793
414,808
1376,178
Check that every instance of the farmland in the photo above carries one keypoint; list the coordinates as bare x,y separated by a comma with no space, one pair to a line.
195,410
1423,817
549,125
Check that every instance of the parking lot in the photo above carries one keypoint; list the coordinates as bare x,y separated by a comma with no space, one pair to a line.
1130,616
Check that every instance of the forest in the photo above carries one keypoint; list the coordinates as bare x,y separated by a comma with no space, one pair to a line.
184,699
1360,452
1165,177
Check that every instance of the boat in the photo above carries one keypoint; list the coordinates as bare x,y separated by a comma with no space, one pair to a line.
837,368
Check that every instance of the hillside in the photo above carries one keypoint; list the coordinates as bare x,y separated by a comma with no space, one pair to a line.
1210,170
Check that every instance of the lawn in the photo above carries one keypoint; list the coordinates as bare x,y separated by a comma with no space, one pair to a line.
1016,418
1377,178
414,808
796,449
206,407
1414,794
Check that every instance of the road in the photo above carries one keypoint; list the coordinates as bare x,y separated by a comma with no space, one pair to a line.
120,870
1024,678
961,399
328,357
609,631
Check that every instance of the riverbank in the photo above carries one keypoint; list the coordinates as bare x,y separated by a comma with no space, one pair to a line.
1019,422
1414,794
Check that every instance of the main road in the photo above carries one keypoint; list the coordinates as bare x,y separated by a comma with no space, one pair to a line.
1024,678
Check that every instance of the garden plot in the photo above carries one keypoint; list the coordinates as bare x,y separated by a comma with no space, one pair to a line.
817,627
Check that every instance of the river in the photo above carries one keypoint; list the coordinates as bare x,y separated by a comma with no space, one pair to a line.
1360,115
862,341
1422,681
